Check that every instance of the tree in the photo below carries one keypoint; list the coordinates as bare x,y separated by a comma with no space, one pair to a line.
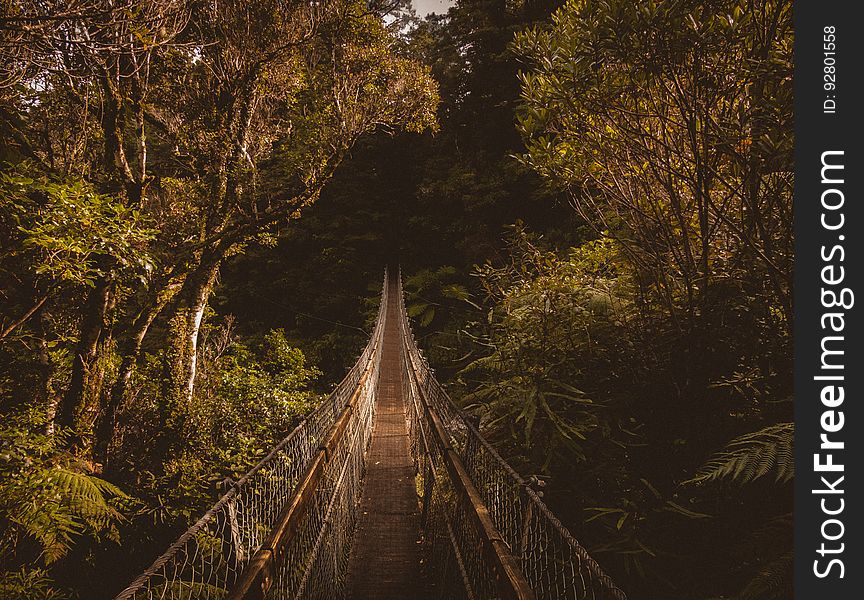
220,123
144,144
91,60
335,80
668,123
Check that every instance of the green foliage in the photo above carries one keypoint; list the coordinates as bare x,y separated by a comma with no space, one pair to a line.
82,505
668,123
260,393
427,290
578,381
554,321
138,166
248,396
611,361
768,451
28,583
74,234
47,500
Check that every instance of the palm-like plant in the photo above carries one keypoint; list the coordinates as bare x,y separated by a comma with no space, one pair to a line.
47,499
753,455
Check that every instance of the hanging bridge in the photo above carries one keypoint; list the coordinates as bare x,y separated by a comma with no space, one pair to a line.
386,490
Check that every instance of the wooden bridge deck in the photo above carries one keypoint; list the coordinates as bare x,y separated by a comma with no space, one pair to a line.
385,559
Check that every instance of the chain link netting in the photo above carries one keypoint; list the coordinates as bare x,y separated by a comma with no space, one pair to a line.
314,562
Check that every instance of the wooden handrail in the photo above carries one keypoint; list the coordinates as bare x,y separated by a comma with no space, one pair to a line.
511,582
257,578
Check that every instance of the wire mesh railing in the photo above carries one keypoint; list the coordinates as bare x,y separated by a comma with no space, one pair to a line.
554,564
209,560
312,561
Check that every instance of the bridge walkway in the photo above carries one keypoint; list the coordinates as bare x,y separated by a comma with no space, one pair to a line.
386,557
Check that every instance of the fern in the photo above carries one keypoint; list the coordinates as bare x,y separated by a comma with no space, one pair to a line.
45,494
65,503
773,581
753,455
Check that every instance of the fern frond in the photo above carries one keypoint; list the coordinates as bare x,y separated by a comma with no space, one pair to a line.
65,504
493,363
773,581
87,496
753,455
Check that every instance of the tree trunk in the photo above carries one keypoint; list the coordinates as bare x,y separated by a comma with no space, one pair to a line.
130,351
181,356
86,372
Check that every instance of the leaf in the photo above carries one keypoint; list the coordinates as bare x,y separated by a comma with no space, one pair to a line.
427,317
577,399
653,490
602,512
675,507
64,503
417,309
753,455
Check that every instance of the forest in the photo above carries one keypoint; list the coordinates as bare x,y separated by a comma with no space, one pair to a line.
590,202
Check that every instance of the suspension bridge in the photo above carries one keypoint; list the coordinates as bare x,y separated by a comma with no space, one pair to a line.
386,490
